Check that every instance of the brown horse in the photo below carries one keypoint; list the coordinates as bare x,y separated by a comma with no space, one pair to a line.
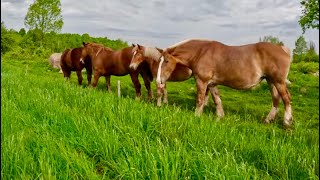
152,55
238,67
107,62
70,61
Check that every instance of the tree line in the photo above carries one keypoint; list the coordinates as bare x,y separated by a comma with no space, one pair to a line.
35,43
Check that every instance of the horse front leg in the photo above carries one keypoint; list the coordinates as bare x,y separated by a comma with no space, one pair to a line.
159,95
89,74
201,90
108,83
165,94
147,84
79,74
217,101
96,77
136,83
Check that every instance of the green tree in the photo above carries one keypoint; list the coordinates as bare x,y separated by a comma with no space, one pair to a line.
301,46
272,39
22,31
310,14
44,15
6,39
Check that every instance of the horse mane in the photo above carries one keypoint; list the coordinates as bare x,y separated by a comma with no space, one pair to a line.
152,53
185,41
98,47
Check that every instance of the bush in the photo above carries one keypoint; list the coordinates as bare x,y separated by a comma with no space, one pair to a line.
305,67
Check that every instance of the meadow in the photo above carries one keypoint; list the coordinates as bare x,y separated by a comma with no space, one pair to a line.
53,129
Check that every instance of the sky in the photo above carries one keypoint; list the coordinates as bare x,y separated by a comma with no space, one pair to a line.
162,23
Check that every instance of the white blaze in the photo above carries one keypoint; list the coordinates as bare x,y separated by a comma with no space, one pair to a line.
159,70
133,65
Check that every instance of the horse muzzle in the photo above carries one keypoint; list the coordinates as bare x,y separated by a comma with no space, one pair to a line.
133,66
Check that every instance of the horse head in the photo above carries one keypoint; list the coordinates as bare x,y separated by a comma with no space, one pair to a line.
138,56
166,66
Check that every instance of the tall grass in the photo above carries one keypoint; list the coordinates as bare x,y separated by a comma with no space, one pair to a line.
52,129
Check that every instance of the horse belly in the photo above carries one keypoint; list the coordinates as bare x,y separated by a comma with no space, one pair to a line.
180,74
240,82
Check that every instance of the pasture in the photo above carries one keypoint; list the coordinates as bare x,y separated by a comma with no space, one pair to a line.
52,129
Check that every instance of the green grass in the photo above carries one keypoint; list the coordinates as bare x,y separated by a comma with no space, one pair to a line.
52,129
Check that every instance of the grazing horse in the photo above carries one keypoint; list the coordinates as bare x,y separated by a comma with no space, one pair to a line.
152,55
70,61
54,61
107,62
238,67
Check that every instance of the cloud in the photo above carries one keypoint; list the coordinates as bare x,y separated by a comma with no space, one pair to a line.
163,22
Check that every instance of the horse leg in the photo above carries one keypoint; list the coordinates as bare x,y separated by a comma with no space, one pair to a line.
95,78
275,103
136,83
206,97
159,96
79,74
201,90
147,84
108,83
285,95
89,75
165,94
217,101
66,74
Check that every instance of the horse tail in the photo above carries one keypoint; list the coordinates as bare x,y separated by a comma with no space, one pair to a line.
287,50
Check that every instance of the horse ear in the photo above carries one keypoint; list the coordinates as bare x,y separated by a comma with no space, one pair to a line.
160,50
133,45
83,43
139,47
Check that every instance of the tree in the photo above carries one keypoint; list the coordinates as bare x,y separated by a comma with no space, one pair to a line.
271,39
6,39
22,31
301,46
44,15
310,14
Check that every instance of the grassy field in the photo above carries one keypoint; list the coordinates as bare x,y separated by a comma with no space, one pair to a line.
52,129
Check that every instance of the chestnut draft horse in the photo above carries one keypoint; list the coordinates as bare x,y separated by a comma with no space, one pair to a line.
70,61
238,67
151,55
107,62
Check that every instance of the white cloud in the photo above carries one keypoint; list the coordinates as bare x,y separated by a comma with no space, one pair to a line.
162,23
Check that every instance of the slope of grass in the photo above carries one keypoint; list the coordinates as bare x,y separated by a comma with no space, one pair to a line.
52,129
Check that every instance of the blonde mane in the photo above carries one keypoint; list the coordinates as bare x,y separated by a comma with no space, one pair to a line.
98,47
184,41
152,53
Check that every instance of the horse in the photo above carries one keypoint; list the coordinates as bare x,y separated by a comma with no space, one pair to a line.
239,67
70,61
107,62
151,55
54,61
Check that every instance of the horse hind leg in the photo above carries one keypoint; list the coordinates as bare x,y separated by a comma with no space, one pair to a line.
66,74
275,103
79,74
285,95
217,101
